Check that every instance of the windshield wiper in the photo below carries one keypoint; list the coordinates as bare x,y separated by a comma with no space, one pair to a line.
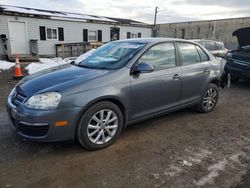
85,66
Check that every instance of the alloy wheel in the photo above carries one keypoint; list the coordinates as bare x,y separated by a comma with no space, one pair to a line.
102,126
210,99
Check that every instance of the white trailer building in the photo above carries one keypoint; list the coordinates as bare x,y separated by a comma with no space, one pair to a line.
31,32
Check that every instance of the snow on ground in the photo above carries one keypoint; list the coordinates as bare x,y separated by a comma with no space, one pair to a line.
4,65
46,63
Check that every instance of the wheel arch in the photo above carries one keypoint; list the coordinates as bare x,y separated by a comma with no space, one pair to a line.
215,81
112,99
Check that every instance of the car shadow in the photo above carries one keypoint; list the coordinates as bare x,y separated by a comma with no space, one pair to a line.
15,145
242,84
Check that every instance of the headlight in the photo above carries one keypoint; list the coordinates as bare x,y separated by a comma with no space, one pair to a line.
44,101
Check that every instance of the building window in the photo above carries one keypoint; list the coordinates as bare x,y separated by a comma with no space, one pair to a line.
133,35
92,36
52,33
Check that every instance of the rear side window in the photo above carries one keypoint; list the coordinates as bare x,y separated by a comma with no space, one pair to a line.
189,54
161,56
203,55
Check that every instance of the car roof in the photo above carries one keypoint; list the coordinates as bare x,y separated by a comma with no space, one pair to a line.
155,40
205,40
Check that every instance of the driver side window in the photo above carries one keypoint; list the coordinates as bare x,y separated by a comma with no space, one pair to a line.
161,56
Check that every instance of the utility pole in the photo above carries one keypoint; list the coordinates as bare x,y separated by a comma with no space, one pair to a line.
154,29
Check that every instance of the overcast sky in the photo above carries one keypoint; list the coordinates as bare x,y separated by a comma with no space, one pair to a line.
143,10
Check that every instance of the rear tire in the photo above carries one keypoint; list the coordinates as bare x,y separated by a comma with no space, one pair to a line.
99,126
209,99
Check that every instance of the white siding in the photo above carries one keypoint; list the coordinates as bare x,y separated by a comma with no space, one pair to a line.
3,30
73,31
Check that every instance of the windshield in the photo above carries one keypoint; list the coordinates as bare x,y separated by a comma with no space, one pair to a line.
112,55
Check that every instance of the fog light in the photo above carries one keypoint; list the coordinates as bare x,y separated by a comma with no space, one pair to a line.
61,123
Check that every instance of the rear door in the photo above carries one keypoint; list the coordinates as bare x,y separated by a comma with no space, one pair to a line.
158,90
195,70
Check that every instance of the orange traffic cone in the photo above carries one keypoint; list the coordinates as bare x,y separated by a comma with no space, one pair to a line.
17,71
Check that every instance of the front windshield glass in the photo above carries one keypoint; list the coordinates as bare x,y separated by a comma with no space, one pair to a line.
112,55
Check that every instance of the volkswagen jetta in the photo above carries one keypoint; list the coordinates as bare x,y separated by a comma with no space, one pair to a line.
121,83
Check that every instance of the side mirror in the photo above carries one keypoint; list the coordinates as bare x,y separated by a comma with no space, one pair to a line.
143,68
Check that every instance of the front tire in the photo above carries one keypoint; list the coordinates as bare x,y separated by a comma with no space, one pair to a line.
209,99
100,126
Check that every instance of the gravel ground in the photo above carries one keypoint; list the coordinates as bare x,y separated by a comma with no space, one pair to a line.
182,149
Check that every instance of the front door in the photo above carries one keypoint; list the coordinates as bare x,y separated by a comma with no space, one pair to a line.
18,37
159,90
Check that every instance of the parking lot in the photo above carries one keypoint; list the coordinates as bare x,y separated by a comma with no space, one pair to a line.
182,149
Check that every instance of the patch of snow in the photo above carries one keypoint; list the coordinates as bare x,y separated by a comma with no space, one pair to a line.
194,160
156,176
245,138
45,63
201,154
4,65
186,163
235,157
172,171
197,155
84,56
213,173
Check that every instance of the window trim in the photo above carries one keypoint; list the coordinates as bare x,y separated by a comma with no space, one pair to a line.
196,46
180,57
149,47
52,28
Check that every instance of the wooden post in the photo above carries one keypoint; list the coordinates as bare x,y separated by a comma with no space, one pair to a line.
77,50
62,50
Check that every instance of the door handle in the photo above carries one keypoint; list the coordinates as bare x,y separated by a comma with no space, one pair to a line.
176,77
206,70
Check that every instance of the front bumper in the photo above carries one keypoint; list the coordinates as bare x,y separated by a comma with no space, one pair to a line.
39,125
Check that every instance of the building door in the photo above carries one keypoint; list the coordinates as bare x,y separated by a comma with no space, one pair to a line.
18,37
114,33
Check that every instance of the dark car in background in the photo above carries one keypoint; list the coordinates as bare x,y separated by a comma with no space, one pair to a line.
121,83
215,47
238,60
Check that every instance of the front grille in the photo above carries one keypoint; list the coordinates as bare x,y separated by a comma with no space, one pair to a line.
35,131
18,98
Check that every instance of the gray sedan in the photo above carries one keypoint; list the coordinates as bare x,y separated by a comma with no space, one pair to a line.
121,83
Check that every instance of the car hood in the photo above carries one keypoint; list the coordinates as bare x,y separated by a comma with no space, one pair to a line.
243,36
56,76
